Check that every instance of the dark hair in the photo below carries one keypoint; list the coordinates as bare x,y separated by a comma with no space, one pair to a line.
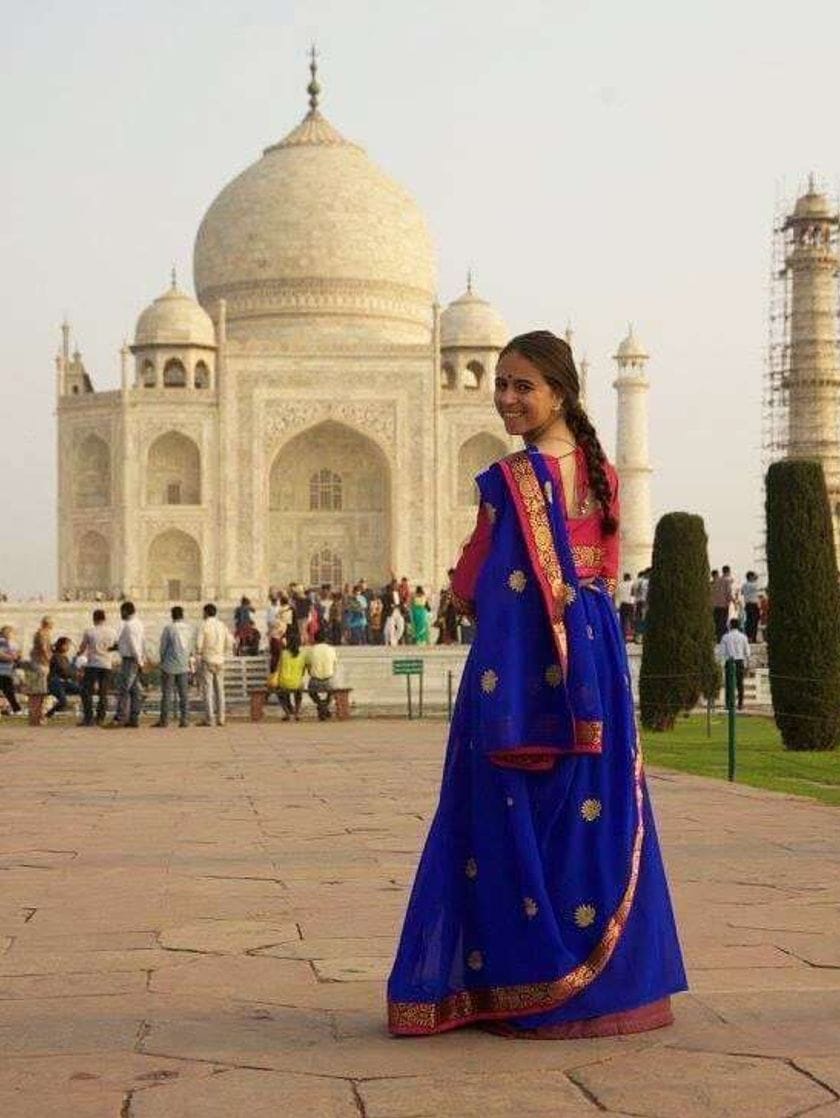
127,610
293,639
98,615
553,357
209,610
735,623
61,644
177,613
715,572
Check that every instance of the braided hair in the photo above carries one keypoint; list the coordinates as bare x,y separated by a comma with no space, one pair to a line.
553,358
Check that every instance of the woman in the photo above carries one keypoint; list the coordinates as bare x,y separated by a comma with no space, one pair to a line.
40,656
420,610
289,676
540,907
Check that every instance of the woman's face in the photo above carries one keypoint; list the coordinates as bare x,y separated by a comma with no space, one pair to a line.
523,397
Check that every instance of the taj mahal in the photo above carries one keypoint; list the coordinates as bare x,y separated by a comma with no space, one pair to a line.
312,415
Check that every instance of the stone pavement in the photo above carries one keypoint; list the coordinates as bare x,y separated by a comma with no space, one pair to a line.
200,922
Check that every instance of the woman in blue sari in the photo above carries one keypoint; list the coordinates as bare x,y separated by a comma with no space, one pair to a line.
540,908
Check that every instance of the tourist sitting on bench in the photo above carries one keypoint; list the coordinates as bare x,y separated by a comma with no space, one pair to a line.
288,678
321,660
62,676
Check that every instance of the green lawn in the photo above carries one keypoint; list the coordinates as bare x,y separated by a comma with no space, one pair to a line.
761,759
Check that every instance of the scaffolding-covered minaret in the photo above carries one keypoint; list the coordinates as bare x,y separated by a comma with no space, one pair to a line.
813,387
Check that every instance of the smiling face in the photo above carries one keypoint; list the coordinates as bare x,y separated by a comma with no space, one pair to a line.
523,397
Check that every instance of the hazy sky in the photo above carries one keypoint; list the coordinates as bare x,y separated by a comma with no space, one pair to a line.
598,162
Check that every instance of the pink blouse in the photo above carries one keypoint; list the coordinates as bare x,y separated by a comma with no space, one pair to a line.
595,554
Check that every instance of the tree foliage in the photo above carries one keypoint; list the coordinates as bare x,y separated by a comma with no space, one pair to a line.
678,664
803,631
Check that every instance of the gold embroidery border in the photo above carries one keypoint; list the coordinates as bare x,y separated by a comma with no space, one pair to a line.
542,540
532,997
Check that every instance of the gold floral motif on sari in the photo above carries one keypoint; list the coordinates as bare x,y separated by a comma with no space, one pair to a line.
517,580
590,810
554,675
585,915
489,681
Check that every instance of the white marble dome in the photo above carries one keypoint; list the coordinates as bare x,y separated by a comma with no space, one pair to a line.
470,322
174,319
315,227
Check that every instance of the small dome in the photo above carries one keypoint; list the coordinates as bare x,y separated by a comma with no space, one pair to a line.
175,319
631,349
472,323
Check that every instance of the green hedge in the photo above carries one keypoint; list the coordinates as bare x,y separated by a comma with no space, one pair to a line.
678,664
803,630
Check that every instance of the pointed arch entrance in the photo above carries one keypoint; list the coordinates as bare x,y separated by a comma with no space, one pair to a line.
174,567
329,508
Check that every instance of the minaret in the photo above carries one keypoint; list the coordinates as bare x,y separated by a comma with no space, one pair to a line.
811,262
631,455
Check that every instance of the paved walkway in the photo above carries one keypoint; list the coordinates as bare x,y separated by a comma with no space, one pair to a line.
199,922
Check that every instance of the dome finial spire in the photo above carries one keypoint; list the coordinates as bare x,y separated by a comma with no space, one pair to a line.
313,89
469,280
174,277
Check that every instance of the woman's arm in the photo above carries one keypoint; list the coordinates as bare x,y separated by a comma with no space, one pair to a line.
472,558
609,569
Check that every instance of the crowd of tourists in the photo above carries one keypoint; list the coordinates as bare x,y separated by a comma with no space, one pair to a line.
398,613
118,659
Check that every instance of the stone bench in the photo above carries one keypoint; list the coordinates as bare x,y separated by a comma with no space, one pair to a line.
258,697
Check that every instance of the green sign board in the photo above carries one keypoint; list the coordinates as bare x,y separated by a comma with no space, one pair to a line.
408,667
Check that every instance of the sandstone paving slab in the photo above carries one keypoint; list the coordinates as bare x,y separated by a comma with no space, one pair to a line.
701,1083
225,937
73,985
825,1069
22,961
35,938
258,1094
474,1096
731,957
54,1025
375,947
86,1085
245,978
794,980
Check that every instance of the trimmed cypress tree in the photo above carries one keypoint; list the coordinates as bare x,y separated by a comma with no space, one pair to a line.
803,630
678,664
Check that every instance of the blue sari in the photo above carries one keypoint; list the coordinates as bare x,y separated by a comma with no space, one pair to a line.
540,899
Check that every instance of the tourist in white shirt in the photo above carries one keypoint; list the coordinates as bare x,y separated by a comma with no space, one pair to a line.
750,595
213,642
734,646
132,657
97,648
394,628
321,660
